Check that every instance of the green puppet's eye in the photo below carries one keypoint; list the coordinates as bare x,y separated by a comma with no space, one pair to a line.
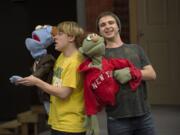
93,37
89,38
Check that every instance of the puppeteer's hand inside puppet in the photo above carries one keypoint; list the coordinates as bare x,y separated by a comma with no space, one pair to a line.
102,76
42,38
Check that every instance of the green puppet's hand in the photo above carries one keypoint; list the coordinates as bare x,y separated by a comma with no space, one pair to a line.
122,75
92,125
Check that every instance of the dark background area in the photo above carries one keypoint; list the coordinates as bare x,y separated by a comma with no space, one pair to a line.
18,20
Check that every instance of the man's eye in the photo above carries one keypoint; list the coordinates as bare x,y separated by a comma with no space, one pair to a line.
102,24
111,22
60,33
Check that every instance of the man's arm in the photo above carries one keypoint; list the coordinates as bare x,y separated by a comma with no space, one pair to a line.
148,73
62,92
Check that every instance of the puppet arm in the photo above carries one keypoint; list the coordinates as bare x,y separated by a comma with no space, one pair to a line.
46,67
132,71
42,71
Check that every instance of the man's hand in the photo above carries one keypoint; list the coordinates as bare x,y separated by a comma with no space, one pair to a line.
27,81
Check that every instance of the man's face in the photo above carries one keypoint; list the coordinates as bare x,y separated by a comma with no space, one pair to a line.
61,41
108,27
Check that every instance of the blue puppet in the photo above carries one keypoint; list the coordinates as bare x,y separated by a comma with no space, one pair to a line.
42,37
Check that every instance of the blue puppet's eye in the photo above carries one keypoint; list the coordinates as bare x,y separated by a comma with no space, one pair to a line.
38,27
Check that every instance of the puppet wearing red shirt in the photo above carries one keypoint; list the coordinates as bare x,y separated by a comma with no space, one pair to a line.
100,87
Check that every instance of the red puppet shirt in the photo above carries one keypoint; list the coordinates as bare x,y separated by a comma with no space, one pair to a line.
99,85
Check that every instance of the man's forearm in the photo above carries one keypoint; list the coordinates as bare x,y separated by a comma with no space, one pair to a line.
148,73
61,92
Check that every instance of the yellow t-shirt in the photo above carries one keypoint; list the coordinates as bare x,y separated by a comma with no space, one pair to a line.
68,114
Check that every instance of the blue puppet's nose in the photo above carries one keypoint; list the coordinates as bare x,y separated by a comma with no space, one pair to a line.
32,45
35,48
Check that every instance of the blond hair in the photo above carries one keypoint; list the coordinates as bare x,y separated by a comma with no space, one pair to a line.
73,29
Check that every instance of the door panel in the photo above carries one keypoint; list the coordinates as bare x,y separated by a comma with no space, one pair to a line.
159,35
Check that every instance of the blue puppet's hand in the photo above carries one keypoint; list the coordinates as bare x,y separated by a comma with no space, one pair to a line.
14,78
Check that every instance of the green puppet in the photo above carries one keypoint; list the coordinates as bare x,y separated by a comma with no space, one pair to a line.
102,76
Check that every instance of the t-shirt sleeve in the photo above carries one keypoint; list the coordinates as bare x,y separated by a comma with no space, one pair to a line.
71,77
144,58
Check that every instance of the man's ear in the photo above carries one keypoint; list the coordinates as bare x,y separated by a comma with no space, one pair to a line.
71,38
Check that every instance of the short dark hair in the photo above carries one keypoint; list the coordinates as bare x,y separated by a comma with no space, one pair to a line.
108,13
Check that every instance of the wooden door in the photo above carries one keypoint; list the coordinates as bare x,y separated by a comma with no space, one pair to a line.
159,34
